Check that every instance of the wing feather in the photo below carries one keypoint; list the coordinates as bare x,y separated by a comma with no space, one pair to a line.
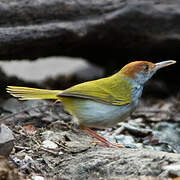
114,90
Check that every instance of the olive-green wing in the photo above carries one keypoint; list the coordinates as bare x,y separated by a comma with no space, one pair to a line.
111,90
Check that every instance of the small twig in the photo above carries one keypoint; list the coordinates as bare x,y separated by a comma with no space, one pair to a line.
36,142
22,148
63,146
50,151
119,131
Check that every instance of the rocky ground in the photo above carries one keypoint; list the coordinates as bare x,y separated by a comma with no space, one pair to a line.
47,145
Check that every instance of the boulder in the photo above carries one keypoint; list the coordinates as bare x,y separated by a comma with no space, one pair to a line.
6,140
97,30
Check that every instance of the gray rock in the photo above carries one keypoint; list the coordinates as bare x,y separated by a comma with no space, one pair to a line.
33,28
173,170
108,163
51,67
6,140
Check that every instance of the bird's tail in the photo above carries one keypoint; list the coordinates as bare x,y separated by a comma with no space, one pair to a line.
25,93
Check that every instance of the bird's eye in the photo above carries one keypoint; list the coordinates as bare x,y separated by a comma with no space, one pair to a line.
146,67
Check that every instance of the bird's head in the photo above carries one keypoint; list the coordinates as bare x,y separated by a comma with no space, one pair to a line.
142,71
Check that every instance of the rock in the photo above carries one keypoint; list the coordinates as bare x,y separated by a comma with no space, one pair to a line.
37,178
107,33
173,170
51,67
49,144
135,129
6,140
33,28
12,105
118,163
77,140
169,133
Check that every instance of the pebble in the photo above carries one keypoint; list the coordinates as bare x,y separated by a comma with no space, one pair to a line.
173,169
49,144
37,178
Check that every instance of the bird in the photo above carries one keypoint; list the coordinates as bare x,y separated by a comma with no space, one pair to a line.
100,103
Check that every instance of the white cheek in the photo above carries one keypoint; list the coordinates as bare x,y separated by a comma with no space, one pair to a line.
142,78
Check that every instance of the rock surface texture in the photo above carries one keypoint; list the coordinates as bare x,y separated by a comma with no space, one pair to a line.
116,163
95,30
6,140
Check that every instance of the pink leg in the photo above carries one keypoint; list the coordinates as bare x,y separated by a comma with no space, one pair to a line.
102,139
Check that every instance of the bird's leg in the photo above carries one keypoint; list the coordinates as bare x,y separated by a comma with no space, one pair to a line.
102,139
56,101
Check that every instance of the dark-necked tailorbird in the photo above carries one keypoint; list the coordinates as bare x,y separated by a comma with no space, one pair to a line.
100,103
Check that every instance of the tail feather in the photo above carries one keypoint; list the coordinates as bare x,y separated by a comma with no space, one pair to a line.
25,93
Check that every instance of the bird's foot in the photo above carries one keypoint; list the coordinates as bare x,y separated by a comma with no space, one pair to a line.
102,140
117,145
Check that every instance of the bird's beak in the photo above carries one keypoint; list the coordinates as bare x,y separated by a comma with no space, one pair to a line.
163,64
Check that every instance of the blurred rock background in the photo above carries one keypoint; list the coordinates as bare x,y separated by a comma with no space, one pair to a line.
107,34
